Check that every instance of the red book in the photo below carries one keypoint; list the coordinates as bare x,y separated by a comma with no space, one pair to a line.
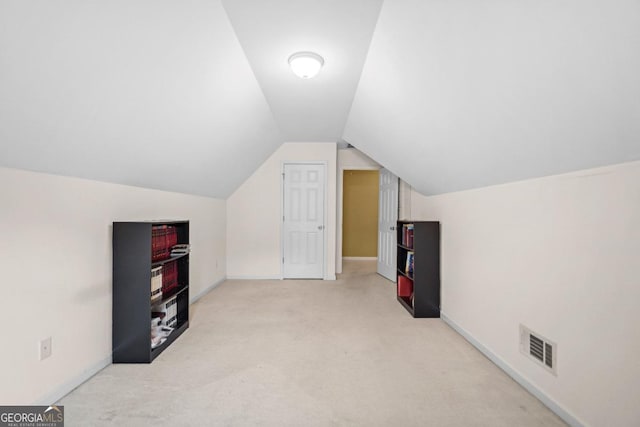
163,238
169,277
172,237
405,286
164,251
155,243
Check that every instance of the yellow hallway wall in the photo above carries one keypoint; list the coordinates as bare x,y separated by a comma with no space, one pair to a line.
360,213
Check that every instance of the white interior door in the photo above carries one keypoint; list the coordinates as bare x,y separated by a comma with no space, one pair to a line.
387,221
303,221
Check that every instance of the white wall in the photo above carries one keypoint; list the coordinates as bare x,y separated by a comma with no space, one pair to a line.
254,214
404,200
348,159
560,255
55,255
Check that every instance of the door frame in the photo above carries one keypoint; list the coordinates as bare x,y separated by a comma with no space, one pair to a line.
340,207
324,210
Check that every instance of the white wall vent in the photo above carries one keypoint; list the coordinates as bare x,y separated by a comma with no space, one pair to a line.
538,348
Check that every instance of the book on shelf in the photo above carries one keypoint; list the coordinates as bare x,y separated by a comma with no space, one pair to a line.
159,332
408,268
403,235
169,277
180,250
163,238
407,235
167,312
156,283
405,286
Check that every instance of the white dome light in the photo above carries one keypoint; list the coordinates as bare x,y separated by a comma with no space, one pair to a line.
306,64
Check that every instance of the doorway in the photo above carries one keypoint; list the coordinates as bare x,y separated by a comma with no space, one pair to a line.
351,159
360,214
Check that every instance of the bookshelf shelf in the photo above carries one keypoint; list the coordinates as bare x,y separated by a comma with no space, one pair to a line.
418,259
133,246
155,352
168,260
406,303
170,295
402,273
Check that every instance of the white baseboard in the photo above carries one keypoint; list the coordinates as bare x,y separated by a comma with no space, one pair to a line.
517,377
331,277
359,258
66,388
206,291
274,277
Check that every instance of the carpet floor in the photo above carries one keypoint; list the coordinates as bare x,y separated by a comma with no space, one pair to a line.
309,353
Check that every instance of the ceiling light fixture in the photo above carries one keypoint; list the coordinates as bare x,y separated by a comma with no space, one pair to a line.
306,64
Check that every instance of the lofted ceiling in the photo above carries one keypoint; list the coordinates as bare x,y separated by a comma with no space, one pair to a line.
462,94
151,93
193,96
338,30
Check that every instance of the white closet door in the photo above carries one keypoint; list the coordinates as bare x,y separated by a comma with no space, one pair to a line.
303,221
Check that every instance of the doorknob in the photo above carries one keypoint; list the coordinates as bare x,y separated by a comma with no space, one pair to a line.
392,228
320,227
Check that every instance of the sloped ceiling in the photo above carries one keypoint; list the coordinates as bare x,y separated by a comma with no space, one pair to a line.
454,94
339,30
460,94
154,93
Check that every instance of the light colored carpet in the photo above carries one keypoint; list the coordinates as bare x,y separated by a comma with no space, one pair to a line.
309,353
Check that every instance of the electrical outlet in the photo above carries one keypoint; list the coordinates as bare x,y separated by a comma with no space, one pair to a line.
45,348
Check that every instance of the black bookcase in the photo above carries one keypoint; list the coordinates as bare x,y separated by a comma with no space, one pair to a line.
132,305
424,280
